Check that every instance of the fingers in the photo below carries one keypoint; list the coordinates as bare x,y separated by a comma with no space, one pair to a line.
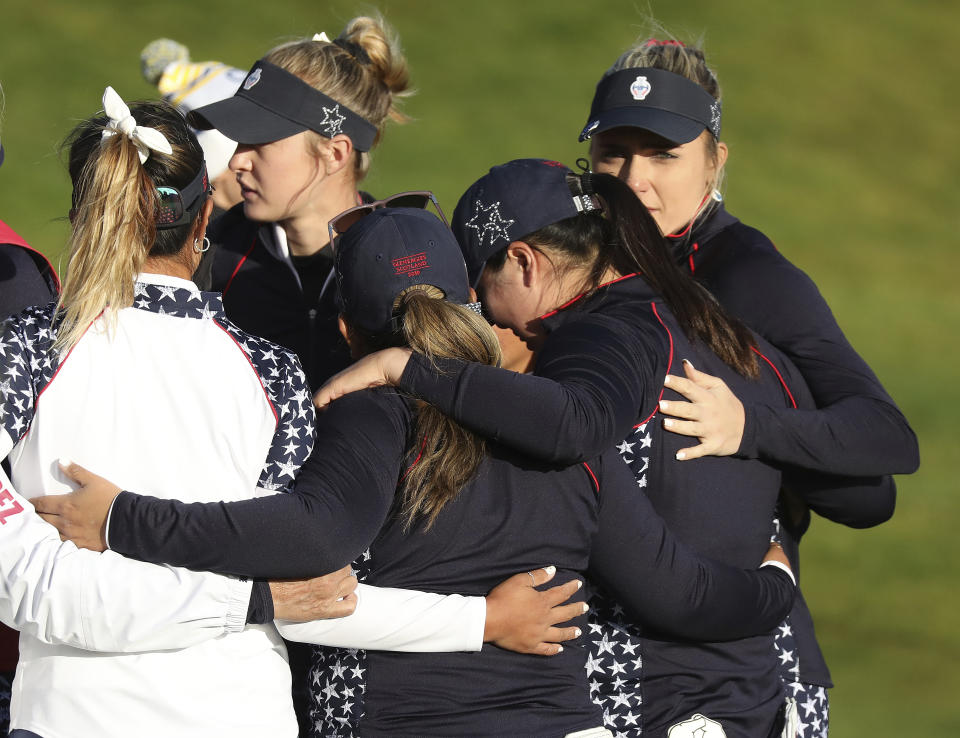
540,576
347,587
559,635
326,394
683,427
343,607
547,649
562,592
566,613
680,409
48,505
686,387
74,471
694,452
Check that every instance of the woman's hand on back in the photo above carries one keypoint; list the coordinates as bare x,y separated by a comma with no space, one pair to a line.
374,370
713,414
524,619
80,516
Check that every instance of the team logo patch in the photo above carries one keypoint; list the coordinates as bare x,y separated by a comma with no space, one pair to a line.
411,265
640,88
487,221
252,78
697,726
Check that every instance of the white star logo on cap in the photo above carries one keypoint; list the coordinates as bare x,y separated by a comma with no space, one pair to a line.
332,124
496,225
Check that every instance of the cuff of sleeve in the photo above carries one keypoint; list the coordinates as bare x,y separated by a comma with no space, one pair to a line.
120,505
748,443
239,593
260,610
476,618
782,567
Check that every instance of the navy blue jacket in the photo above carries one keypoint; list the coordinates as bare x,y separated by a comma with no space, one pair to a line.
262,294
516,514
856,429
599,378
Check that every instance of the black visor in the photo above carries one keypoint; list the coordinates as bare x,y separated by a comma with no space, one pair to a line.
176,207
272,104
656,100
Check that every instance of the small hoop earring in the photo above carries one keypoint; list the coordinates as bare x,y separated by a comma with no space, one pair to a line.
197,248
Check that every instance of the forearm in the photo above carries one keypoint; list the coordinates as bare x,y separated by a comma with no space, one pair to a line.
102,602
857,436
389,619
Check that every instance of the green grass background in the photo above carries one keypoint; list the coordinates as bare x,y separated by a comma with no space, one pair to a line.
842,122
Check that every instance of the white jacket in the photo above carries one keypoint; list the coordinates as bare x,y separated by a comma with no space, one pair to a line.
175,393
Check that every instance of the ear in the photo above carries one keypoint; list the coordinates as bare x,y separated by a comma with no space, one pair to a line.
203,218
721,158
337,154
344,327
523,257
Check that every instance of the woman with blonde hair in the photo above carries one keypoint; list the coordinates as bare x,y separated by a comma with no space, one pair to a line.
306,119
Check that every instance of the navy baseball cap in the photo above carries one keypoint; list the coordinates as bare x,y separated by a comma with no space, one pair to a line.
656,100
512,201
388,251
272,104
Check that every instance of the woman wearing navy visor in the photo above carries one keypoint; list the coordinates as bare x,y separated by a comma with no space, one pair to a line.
655,124
448,512
531,234
306,118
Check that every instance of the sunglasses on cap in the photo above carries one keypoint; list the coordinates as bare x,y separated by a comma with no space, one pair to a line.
418,199
177,207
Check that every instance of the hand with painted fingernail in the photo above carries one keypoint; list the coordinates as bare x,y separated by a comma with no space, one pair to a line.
712,413
523,618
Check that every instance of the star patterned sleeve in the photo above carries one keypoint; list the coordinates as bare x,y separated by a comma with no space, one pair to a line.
668,586
26,366
286,385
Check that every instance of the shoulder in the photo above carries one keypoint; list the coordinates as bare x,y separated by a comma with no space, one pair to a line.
279,369
368,409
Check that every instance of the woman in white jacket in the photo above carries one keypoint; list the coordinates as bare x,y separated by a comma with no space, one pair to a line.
138,372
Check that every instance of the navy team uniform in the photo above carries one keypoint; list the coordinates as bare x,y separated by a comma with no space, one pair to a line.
858,429
599,378
516,514
269,293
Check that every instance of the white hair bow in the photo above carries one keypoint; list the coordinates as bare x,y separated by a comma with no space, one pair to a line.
322,36
144,138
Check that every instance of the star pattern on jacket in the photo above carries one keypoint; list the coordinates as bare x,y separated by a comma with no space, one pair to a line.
338,682
28,364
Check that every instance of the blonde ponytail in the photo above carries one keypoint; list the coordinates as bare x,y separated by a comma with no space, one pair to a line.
114,215
448,453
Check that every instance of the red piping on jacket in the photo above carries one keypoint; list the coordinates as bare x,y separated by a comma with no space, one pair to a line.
234,274
592,476
779,376
584,294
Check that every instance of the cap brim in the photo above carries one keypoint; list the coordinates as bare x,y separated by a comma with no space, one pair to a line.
244,121
673,127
